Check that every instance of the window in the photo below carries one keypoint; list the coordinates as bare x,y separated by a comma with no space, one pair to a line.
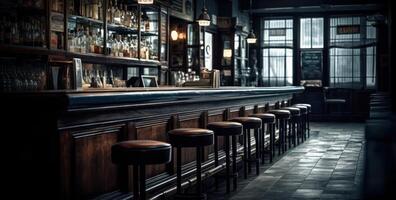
242,70
277,52
311,33
352,52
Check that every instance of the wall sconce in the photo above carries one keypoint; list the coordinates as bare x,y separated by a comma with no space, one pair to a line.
182,36
227,53
174,35
145,1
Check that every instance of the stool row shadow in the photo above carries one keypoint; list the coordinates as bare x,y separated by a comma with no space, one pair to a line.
284,127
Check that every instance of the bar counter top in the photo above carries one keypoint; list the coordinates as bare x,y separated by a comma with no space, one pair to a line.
75,99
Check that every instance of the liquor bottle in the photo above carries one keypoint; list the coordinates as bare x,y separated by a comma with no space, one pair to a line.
111,78
117,14
109,13
134,21
113,11
114,49
127,16
133,48
103,79
100,10
95,9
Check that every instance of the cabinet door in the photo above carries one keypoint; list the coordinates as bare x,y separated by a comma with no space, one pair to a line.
23,23
85,26
164,35
122,30
149,29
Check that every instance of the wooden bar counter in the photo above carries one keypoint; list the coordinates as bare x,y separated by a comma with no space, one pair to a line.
57,145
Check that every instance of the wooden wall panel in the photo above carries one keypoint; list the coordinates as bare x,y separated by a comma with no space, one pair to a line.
93,170
216,118
152,131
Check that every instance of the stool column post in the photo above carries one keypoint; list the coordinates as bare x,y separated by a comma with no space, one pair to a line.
282,132
272,141
234,163
245,154
216,157
178,170
307,121
294,134
249,150
135,182
256,133
227,151
262,143
142,175
199,186
278,122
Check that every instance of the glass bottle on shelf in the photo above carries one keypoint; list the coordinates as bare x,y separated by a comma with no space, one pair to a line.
133,48
127,16
117,15
109,14
114,49
134,20
111,78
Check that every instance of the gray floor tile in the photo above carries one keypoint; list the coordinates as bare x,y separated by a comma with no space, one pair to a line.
329,165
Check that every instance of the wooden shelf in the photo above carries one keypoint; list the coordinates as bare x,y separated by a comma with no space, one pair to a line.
13,50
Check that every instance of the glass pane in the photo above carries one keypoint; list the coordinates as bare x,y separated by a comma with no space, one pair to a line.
317,33
149,32
277,60
346,66
305,33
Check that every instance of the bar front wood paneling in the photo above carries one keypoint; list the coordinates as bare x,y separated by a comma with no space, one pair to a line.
57,145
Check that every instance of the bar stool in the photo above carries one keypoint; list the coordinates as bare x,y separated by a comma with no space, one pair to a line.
294,120
282,116
269,120
190,137
304,113
309,111
140,153
227,129
250,123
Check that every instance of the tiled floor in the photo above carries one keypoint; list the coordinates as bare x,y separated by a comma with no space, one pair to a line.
327,166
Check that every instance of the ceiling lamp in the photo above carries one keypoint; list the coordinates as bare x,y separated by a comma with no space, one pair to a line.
204,18
227,53
251,38
145,2
174,35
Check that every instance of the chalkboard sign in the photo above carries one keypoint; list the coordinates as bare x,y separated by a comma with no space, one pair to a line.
311,64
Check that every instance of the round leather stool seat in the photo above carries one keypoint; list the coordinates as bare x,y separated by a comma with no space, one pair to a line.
191,137
265,117
281,114
293,111
141,152
303,109
304,104
226,128
248,122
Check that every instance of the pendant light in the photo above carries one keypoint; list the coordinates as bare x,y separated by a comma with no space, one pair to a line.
204,18
145,2
251,38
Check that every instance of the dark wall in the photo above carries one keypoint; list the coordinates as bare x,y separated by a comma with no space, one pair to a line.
286,3
211,5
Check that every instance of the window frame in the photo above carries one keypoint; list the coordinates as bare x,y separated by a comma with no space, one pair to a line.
267,45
